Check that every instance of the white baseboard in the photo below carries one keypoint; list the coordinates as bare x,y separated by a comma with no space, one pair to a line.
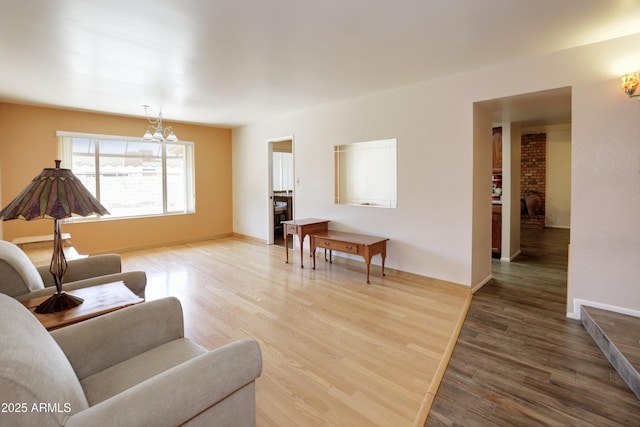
509,259
577,303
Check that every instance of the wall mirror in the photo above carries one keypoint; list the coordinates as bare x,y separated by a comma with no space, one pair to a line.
365,173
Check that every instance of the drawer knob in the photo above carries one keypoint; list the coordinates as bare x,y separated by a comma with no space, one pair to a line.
349,247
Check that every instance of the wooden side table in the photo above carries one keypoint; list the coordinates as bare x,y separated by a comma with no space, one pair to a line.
98,300
302,227
358,244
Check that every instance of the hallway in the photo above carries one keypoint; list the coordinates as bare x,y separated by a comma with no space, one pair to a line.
520,361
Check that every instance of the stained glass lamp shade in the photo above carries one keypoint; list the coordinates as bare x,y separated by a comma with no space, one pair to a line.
55,194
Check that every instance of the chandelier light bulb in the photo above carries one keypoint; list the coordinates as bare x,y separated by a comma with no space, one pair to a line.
629,83
155,132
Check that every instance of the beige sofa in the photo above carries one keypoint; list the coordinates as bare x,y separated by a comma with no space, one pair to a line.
22,280
132,367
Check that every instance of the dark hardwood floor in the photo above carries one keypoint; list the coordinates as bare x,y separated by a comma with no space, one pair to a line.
519,361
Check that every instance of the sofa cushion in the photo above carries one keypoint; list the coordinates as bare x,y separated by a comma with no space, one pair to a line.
33,369
18,275
124,375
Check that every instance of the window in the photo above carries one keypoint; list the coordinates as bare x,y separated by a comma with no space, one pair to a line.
130,176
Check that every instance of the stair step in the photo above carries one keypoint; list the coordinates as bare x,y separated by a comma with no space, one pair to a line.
618,336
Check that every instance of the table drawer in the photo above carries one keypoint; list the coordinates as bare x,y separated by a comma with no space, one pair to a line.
337,246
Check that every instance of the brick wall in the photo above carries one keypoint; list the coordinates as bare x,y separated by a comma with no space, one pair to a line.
533,176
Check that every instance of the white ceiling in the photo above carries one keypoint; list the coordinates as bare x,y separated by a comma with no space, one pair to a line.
231,62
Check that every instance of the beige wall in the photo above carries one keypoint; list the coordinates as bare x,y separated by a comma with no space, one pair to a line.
481,222
558,194
431,229
436,229
511,156
28,144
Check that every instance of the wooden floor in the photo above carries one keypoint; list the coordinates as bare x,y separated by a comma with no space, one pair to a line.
336,351
519,361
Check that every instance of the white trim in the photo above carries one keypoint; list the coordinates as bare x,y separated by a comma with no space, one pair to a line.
65,153
271,222
114,137
270,231
509,259
578,303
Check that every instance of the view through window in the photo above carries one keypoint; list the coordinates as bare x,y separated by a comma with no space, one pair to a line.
132,177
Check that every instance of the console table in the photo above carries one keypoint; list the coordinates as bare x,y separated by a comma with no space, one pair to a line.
302,227
98,300
358,244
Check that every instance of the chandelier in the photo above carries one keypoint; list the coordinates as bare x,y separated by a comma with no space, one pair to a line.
155,131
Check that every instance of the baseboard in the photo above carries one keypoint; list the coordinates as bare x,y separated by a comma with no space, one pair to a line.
509,259
578,303
477,287
389,271
162,244
248,238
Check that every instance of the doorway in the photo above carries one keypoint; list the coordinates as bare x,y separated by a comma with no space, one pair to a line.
280,189
547,112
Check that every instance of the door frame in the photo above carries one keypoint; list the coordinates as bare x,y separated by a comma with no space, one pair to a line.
269,198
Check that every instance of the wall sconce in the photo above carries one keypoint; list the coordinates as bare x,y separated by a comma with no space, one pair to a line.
157,133
630,83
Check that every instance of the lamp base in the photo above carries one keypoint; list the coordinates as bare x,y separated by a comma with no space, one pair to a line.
59,302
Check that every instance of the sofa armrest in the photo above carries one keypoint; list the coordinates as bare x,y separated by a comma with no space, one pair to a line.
96,344
134,280
85,268
179,394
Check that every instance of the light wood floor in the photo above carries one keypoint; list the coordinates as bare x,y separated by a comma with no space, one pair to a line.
336,351
520,362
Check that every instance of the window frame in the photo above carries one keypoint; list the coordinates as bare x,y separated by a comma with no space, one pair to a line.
65,153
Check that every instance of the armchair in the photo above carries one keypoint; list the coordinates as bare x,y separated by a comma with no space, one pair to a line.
132,367
20,279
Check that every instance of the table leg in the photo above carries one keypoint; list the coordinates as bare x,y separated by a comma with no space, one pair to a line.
301,236
286,242
368,269
313,249
384,255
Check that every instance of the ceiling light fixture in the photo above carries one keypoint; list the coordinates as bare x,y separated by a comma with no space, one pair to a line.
155,131
630,83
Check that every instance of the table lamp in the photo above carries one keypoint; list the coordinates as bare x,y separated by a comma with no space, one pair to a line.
56,194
